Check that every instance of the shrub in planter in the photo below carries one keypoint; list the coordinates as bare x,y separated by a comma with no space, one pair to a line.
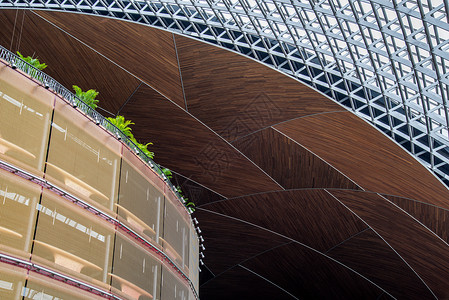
87,97
167,173
33,61
144,148
123,125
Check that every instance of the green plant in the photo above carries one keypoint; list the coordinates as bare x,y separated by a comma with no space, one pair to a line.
178,189
144,148
190,204
87,97
33,61
167,173
187,203
123,125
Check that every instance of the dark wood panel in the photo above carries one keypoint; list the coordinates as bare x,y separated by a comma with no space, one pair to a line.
69,61
422,250
185,145
312,217
241,284
289,163
309,275
10,33
205,274
435,218
195,192
146,52
235,95
366,156
362,253
229,242
384,296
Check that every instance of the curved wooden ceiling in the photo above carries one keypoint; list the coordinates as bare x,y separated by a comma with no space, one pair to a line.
297,198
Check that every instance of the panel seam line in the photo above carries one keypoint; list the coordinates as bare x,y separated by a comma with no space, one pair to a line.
391,247
179,69
299,243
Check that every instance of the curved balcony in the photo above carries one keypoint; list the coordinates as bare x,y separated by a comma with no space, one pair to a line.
80,204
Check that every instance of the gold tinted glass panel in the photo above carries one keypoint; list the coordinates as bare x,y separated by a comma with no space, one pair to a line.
40,287
18,198
176,234
140,204
191,295
25,113
136,272
71,239
144,169
194,258
12,280
83,158
173,288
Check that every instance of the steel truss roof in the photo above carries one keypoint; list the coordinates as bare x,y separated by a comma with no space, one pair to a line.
387,61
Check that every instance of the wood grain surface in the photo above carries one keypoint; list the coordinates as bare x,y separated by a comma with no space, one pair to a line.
245,285
236,96
426,254
231,241
311,217
366,156
69,61
194,191
369,255
289,163
310,275
435,218
146,52
183,144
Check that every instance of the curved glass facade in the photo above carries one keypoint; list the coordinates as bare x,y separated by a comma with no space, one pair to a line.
387,61
76,201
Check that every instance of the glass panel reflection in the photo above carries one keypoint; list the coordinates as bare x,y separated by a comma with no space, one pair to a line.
73,240
83,158
25,113
136,273
191,295
12,280
18,198
144,169
194,258
173,288
176,234
40,287
140,203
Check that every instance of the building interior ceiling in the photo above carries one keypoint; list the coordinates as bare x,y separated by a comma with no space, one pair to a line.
387,61
297,197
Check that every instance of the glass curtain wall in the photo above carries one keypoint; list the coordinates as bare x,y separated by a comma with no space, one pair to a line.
25,114
43,135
